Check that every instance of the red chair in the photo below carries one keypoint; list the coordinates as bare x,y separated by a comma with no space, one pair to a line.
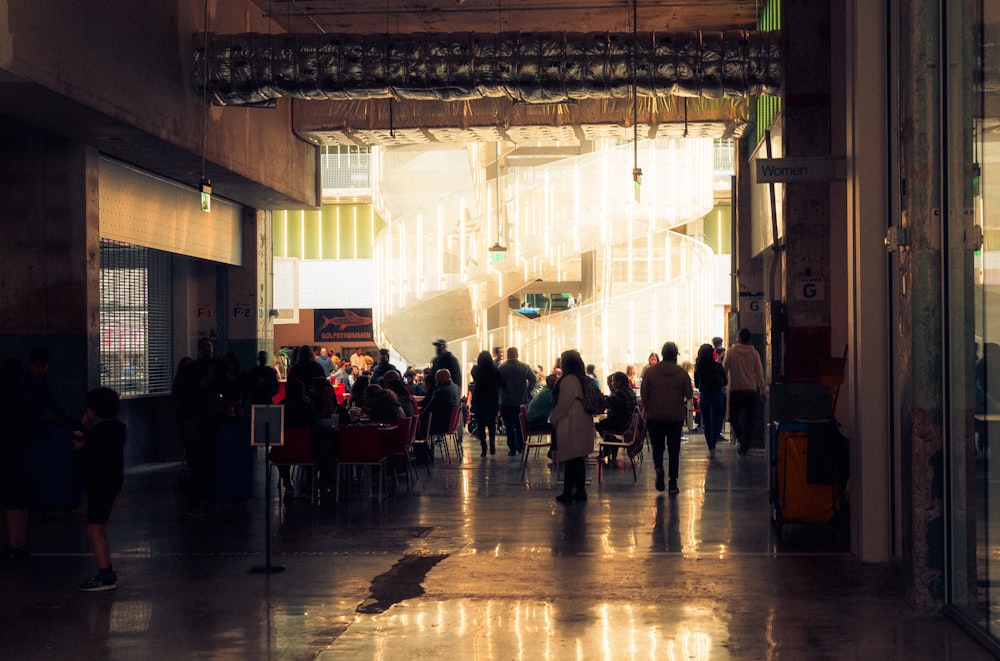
441,440
396,447
361,446
340,390
296,451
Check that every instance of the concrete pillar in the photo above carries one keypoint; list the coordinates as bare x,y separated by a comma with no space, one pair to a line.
244,293
919,357
49,289
799,285
865,407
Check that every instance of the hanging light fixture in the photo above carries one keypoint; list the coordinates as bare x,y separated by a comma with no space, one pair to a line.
498,251
206,183
636,170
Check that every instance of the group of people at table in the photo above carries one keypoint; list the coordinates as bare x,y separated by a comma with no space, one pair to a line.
376,397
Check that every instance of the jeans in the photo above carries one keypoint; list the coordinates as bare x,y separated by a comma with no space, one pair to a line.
511,415
669,434
713,414
742,407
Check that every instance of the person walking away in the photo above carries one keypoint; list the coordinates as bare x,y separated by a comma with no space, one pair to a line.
101,444
486,382
573,425
262,381
518,382
665,389
443,360
710,380
20,428
324,361
746,384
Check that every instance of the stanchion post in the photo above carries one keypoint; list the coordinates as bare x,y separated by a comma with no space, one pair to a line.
267,568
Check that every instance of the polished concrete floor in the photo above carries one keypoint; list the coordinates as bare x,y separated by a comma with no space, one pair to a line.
474,563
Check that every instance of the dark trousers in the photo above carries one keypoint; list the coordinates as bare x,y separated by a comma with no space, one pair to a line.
713,413
662,433
512,422
486,421
742,405
575,478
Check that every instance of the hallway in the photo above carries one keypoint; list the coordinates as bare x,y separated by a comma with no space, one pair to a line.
472,564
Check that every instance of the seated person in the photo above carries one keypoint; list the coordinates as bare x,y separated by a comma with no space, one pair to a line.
298,413
392,381
539,409
358,391
620,405
382,404
441,401
541,406
326,438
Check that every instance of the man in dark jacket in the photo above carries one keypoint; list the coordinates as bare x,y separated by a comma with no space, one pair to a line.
519,380
383,366
665,390
445,360
437,407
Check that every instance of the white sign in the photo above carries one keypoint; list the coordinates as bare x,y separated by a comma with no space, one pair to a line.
786,170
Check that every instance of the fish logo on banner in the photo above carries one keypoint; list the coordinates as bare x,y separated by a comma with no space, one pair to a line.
343,325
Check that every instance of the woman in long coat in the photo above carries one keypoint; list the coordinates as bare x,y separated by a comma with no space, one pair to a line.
574,426
486,385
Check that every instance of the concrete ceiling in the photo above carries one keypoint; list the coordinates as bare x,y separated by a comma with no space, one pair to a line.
404,121
403,16
322,122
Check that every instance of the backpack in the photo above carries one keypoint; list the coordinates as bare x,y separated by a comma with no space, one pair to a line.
592,399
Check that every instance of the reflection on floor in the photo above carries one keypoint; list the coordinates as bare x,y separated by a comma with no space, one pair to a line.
472,564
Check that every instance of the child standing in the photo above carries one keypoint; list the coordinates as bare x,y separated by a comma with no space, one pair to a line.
101,445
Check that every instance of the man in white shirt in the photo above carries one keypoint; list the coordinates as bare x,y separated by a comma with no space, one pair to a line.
746,383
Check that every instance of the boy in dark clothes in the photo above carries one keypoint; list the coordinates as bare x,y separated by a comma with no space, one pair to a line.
101,446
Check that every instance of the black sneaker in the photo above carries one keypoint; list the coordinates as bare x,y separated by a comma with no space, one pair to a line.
659,480
100,583
673,490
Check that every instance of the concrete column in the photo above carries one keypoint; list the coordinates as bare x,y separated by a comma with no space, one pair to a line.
865,407
919,356
243,290
50,289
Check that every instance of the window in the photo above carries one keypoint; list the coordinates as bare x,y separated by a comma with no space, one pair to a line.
136,333
345,168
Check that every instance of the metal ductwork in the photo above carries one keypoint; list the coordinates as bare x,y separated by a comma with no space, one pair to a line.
533,67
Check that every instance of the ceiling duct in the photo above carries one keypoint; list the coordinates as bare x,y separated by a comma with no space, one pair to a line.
528,67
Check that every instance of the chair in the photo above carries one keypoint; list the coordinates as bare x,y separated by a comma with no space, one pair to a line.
441,439
361,446
421,442
533,438
396,445
632,439
297,451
